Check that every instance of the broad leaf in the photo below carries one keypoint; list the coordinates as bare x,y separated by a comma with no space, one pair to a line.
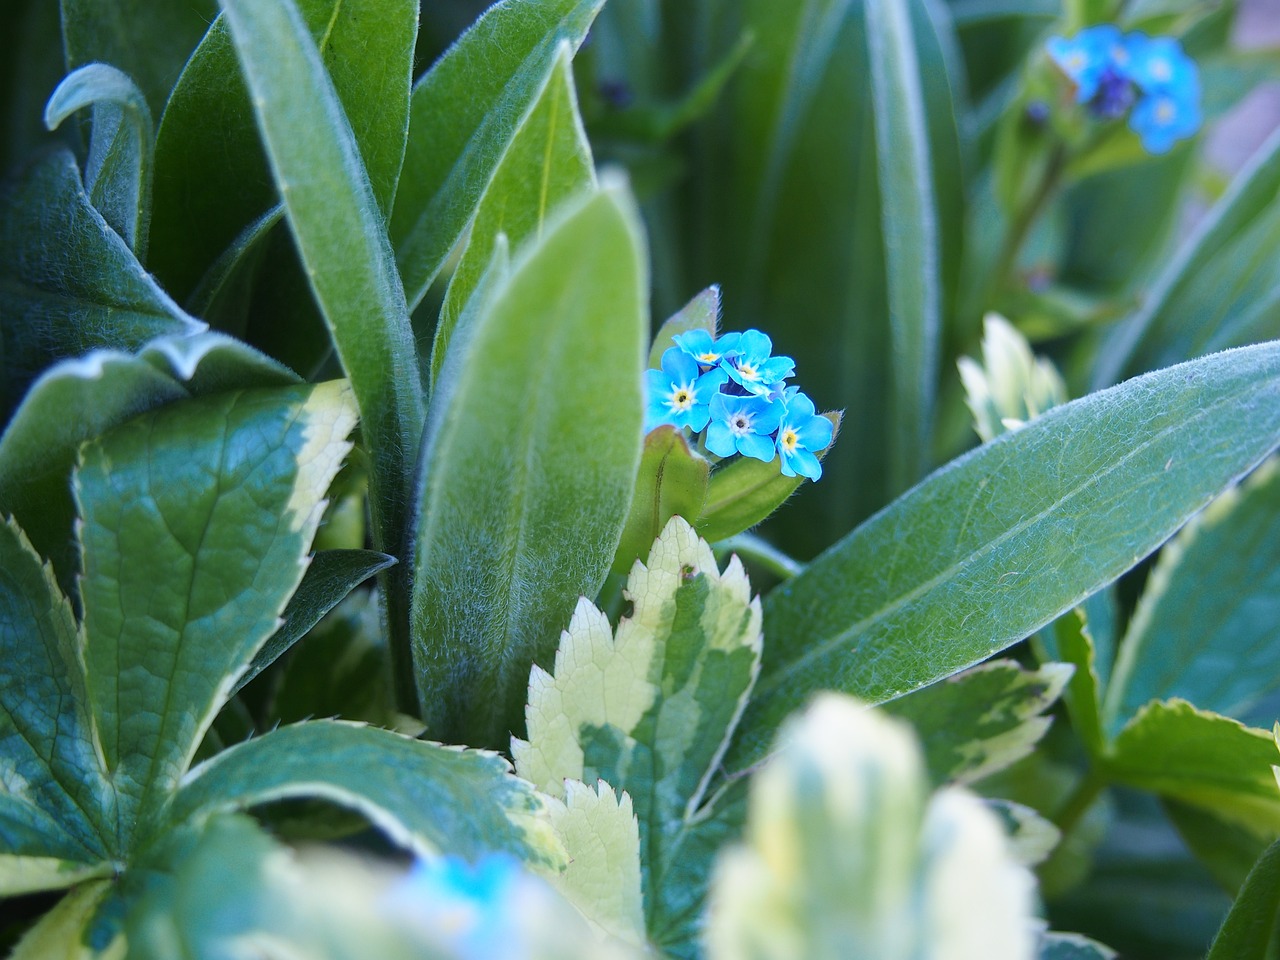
528,466
1252,926
1048,515
651,708
196,522
118,171
464,114
428,797
213,177
982,720
672,482
76,400
1207,628
68,283
547,162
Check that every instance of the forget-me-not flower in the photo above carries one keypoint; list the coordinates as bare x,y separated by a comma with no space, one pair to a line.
679,393
750,365
1170,109
743,424
705,348
1092,59
801,435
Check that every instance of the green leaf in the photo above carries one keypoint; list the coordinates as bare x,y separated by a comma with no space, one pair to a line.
118,171
1011,386
1032,838
651,708
68,283
910,227
330,576
672,482
547,161
54,797
212,176
428,797
700,313
1202,759
21,875
602,839
76,400
1072,946
747,491
1251,927
196,522
1211,279
1047,514
147,39
982,720
464,114
61,933
1207,628
528,466
848,855
1070,640
1227,850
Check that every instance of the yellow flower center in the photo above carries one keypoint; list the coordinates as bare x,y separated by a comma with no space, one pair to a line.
1166,112
789,440
681,398
708,357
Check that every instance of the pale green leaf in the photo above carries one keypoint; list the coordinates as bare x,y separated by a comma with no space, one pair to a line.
464,114
118,170
1047,515
54,797
21,875
1251,927
650,708
982,720
196,522
1207,628
1032,837
528,466
700,313
76,400
602,839
68,283
61,933
672,482
847,855
1011,386
1070,640
428,797
547,161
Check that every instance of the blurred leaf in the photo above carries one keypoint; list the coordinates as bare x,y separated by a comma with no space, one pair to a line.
547,161
528,466
700,313
212,174
464,114
330,576
981,720
147,39
1227,850
1032,838
21,875
427,797
118,171
1011,386
1048,515
68,283
32,52
196,521
1072,946
1251,929
77,400
60,933
672,482
650,710
1207,628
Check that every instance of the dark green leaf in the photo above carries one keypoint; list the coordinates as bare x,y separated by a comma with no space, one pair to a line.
330,576
464,113
1251,926
672,482
529,464
1227,850
1047,515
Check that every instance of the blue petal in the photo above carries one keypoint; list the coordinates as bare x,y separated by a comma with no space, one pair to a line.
719,439
679,366
707,384
768,416
814,433
806,464
776,368
799,407
722,408
755,445
754,345
696,417
728,343
694,342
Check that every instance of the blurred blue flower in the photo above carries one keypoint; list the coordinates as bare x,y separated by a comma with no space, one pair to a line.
704,348
679,393
1093,57
1162,119
743,425
750,365
1170,108
472,910
801,435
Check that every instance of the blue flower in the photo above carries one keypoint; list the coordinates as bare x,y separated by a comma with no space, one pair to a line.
1170,109
704,348
801,435
749,364
1162,119
1094,56
1160,66
743,425
679,393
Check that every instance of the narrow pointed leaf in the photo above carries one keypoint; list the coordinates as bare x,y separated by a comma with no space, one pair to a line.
118,171
672,482
61,933
1250,927
20,875
1049,514
700,313
528,466
428,797
197,519
464,113
1070,640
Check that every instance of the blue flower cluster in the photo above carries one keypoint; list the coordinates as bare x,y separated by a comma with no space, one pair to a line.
1114,72
735,390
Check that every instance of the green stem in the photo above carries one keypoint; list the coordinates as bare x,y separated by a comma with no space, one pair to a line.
752,548
1080,801
1022,223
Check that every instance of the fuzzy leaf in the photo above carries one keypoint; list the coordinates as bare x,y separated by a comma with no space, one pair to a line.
463,116
700,313
651,708
1050,514
672,482
982,720
196,523
427,797
1249,929
528,467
